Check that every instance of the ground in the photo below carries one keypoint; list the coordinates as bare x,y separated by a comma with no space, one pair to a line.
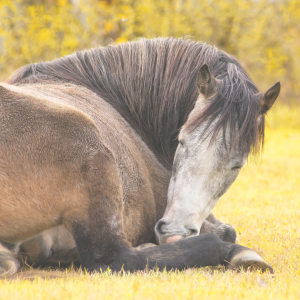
263,205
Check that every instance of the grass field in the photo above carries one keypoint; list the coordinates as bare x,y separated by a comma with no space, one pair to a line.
263,205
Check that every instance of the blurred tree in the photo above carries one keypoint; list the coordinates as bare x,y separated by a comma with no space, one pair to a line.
263,34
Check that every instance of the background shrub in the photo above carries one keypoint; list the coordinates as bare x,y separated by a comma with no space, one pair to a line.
263,34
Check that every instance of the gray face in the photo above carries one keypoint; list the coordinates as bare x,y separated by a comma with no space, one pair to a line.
201,174
203,171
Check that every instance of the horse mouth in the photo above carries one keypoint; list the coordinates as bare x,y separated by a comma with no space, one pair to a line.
174,238
165,235
169,238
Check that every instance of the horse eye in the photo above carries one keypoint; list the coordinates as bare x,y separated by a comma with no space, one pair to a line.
236,168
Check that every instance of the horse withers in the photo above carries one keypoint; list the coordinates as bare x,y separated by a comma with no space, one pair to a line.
87,146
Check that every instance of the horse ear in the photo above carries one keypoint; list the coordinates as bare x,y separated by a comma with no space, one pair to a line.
206,82
269,98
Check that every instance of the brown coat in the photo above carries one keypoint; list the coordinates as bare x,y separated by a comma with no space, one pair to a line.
45,153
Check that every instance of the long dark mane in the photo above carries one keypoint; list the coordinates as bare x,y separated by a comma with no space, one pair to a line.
152,84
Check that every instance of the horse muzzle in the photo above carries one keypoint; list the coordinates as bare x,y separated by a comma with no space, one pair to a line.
166,233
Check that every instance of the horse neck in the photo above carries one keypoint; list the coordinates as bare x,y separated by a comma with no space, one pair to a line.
158,125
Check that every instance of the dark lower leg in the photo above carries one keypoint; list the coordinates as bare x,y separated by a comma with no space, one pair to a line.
204,250
240,257
63,259
200,251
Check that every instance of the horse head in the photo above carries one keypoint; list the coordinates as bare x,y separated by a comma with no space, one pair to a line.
225,126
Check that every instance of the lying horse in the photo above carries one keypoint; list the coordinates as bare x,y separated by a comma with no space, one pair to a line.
87,146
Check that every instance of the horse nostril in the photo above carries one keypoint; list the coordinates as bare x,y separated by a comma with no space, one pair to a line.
194,231
159,230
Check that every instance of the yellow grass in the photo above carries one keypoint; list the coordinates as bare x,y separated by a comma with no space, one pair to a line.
263,205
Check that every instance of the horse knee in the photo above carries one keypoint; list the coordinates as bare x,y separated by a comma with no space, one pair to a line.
8,263
224,231
227,233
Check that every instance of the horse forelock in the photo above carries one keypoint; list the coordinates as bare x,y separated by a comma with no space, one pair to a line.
152,84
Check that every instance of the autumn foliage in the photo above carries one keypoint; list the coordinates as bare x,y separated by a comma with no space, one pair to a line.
263,34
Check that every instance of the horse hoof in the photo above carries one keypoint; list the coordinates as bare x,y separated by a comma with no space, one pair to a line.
249,260
145,246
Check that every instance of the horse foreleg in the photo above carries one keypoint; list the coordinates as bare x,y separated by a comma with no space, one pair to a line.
62,259
204,250
97,229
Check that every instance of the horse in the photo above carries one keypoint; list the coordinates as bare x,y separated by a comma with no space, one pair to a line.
116,156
